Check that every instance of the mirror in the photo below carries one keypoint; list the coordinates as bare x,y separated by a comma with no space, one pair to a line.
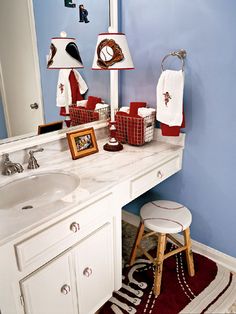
49,18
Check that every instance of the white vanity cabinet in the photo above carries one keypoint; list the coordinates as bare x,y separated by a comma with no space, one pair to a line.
78,281
94,268
68,260
51,289
70,267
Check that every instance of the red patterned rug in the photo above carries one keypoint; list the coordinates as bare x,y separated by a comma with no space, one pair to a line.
211,290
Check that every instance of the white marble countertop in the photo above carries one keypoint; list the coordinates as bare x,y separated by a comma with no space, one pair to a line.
98,173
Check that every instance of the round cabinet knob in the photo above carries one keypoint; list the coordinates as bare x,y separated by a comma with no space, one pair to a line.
160,174
65,289
34,106
74,227
87,271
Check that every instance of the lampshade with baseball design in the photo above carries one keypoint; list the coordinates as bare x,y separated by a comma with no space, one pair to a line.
112,53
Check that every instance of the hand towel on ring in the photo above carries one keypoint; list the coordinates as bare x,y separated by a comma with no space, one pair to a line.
170,89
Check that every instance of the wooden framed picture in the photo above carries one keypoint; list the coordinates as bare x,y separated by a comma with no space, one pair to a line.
50,127
82,143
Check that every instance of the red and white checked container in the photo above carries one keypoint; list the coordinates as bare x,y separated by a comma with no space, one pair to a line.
135,130
81,115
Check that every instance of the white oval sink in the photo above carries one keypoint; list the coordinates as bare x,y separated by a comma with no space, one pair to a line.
37,190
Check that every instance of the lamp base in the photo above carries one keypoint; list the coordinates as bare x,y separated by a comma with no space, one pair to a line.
113,147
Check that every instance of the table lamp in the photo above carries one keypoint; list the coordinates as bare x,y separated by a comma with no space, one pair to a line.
112,53
64,55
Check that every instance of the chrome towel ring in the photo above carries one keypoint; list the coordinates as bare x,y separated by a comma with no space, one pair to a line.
181,54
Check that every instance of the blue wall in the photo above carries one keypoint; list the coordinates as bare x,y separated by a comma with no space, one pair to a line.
3,130
206,30
52,17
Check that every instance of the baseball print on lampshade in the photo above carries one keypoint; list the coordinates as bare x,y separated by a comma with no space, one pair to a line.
64,54
112,53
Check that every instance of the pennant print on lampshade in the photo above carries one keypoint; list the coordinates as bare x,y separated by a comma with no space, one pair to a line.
112,53
64,54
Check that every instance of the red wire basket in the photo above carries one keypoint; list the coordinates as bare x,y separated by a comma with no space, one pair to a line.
135,130
81,115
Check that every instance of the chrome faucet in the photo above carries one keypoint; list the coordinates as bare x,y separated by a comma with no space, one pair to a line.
10,167
32,163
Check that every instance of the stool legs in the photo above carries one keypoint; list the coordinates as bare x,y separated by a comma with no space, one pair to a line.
136,243
159,263
160,256
188,251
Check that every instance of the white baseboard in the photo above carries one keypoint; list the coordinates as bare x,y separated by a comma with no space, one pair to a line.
217,256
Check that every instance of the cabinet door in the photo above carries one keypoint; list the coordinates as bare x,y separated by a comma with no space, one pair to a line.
94,269
51,290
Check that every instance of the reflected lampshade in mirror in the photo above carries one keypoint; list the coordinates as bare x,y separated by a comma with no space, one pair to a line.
64,54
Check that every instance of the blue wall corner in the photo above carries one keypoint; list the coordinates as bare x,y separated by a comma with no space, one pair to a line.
3,130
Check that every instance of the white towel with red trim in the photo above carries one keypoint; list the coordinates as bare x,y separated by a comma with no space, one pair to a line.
64,98
170,88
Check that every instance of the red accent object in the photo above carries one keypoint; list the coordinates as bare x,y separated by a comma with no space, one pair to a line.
134,106
75,94
177,290
68,123
130,129
113,131
111,69
61,86
113,144
64,38
80,115
136,130
121,126
63,112
111,34
75,91
167,130
92,101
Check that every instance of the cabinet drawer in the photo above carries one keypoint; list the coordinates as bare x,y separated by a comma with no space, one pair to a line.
45,245
149,179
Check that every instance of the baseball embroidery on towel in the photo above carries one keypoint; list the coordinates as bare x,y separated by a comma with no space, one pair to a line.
167,98
61,87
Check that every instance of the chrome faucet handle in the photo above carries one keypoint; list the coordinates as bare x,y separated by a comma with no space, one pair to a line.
33,164
31,152
10,167
5,158
19,167
7,168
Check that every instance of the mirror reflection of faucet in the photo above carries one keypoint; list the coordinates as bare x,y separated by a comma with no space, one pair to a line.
10,167
32,163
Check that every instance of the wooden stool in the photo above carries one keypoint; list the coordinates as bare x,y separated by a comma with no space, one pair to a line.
164,218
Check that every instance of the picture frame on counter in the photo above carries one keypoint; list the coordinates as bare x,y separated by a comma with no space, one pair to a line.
82,143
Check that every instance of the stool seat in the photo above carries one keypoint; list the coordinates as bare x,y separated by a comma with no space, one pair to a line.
165,216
